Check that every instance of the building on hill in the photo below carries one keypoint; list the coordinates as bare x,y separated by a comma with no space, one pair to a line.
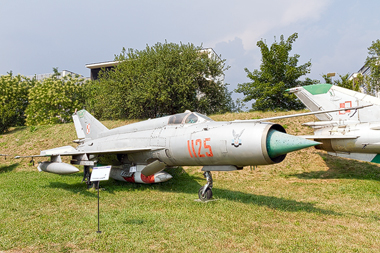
365,71
96,67
109,65
63,73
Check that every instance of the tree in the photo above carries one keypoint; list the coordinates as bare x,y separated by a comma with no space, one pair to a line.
278,72
13,100
327,78
358,82
371,81
163,79
54,99
345,82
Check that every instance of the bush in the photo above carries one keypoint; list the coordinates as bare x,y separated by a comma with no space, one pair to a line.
54,100
13,100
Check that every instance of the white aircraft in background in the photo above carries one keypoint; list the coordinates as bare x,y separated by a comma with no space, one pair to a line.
352,133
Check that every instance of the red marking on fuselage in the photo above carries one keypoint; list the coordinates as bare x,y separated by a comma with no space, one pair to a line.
147,179
345,105
188,148
192,145
130,179
209,154
203,148
199,142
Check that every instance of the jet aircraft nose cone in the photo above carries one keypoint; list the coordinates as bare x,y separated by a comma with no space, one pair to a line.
279,143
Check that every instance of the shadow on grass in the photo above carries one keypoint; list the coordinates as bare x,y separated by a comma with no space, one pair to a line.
4,169
182,182
344,169
271,202
15,130
78,188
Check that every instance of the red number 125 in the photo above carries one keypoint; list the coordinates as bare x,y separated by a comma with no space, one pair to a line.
197,150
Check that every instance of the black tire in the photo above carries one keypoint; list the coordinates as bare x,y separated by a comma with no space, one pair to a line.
206,196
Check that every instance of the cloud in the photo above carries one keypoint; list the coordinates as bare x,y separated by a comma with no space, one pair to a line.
255,20
298,10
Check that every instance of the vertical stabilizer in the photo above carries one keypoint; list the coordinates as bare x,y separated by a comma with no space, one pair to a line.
322,97
86,126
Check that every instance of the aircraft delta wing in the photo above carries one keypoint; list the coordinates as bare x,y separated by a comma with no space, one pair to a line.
351,133
139,152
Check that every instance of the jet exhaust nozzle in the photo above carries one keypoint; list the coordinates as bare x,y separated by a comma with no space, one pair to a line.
57,168
279,143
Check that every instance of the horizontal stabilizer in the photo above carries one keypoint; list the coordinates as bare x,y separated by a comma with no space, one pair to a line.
323,137
58,151
303,114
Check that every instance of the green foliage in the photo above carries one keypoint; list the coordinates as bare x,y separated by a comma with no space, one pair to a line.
345,82
163,79
54,100
278,72
13,100
371,81
327,79
357,82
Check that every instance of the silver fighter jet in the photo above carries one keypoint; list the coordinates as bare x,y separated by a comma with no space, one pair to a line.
139,152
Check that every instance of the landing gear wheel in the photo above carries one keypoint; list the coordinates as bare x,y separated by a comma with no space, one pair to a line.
206,195
87,176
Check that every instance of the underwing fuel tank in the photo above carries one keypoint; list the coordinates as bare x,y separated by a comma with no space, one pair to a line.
121,174
57,168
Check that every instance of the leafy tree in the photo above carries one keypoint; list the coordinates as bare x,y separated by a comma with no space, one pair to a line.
55,99
345,82
278,72
327,79
358,82
163,79
309,81
371,81
13,100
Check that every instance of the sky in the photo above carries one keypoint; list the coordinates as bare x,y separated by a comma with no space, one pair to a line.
37,36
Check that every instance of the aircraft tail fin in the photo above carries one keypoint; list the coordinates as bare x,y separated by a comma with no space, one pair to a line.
87,126
321,97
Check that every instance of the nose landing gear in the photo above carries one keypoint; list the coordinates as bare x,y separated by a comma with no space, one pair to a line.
205,192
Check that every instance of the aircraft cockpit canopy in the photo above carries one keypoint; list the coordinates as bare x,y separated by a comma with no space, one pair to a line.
187,118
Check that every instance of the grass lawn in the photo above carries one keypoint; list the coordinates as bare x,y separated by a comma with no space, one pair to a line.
311,202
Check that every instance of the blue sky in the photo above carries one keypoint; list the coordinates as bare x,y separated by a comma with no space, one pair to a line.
39,35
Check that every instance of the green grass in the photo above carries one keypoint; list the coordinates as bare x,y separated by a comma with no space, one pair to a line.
311,202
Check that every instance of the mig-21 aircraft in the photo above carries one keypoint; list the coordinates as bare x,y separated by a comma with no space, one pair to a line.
350,134
139,152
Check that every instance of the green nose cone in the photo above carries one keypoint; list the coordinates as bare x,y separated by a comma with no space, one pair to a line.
279,143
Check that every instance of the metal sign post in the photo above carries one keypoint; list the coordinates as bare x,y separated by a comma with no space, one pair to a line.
99,174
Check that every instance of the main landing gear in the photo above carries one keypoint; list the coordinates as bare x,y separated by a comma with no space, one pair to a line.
87,176
205,192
